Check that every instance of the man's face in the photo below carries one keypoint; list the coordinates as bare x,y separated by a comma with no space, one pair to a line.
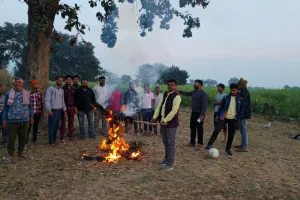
146,88
76,81
131,86
1,90
234,91
157,90
59,81
34,86
84,84
102,82
220,89
196,85
68,81
18,84
171,86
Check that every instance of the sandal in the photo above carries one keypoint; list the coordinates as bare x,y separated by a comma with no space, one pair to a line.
27,156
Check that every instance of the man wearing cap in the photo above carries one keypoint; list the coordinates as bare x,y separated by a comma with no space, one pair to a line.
36,100
69,97
101,96
244,93
17,114
4,130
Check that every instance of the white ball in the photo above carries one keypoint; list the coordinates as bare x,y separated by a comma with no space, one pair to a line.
213,153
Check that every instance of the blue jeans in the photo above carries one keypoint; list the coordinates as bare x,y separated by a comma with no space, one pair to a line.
244,133
90,118
53,125
147,115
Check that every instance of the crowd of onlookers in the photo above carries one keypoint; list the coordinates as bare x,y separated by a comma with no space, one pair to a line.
21,112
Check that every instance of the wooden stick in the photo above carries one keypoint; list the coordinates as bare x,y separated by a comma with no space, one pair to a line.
148,123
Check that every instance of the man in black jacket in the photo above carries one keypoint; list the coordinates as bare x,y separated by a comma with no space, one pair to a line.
84,101
244,93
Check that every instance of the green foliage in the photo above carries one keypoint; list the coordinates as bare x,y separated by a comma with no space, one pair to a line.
5,79
233,80
176,73
126,79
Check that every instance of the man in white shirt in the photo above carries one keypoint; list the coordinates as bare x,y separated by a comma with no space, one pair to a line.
147,106
101,95
157,98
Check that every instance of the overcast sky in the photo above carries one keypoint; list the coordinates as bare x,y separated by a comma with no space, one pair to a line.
257,40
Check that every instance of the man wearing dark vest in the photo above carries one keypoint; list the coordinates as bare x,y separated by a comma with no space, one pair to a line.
167,114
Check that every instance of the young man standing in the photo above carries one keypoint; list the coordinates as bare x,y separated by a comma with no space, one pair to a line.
230,111
69,97
76,81
84,101
167,113
36,99
217,102
101,96
140,91
17,114
157,98
132,103
115,101
199,106
4,130
244,93
55,105
147,106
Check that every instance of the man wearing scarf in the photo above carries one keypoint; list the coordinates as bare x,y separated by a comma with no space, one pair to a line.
17,114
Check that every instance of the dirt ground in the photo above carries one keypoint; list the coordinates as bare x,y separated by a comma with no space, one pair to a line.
270,170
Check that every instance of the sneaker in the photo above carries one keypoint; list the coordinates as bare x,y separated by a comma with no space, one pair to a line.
7,159
93,137
237,146
164,162
73,139
81,137
242,150
208,147
166,167
228,152
27,156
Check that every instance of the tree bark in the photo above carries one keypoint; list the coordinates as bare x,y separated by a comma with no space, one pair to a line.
41,15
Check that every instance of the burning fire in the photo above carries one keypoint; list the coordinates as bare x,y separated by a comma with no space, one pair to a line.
115,145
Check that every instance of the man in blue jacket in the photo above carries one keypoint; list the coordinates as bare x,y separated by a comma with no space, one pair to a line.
230,111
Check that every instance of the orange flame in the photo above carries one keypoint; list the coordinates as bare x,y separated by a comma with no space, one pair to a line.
117,145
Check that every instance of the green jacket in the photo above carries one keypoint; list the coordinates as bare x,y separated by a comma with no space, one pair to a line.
244,93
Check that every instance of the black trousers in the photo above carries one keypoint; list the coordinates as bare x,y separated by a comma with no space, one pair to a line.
216,122
36,118
196,127
232,124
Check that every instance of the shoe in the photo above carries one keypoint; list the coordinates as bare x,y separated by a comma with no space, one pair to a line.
200,147
7,159
228,152
27,156
242,150
237,146
52,145
93,137
73,139
164,162
191,145
62,141
81,137
208,147
166,167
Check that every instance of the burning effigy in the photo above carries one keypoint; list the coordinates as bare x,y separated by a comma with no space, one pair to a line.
114,147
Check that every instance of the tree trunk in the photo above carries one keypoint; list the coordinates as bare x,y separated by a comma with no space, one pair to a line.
41,14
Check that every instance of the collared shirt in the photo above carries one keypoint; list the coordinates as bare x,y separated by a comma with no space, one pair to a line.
55,99
147,99
157,99
69,95
101,94
175,108
36,100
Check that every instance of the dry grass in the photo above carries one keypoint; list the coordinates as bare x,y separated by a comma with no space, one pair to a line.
269,171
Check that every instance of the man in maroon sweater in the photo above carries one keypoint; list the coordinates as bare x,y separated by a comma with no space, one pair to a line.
69,95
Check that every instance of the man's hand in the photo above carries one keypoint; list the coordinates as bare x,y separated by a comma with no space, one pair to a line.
202,118
50,113
215,102
31,121
76,111
163,123
217,117
153,120
4,124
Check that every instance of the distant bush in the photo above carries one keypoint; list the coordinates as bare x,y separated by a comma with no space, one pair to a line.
5,79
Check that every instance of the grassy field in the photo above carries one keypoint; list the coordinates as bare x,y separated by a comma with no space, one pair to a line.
285,101
268,171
